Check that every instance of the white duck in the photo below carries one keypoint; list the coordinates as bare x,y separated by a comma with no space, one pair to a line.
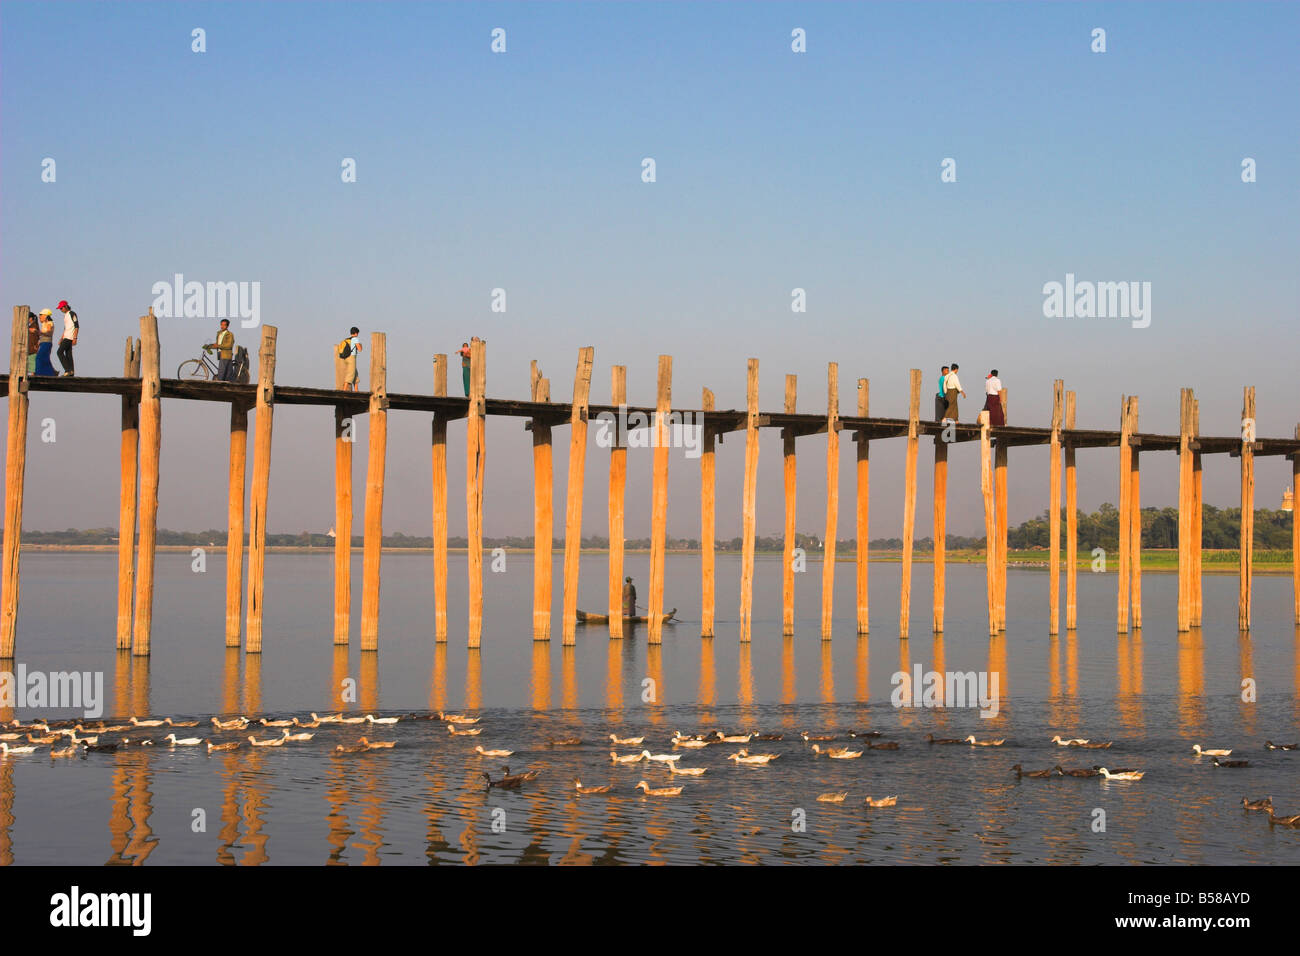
270,742
492,753
183,742
626,741
234,723
471,732
297,738
1210,753
627,758
687,771
985,743
137,722
660,758
1122,775
744,756
381,720
7,750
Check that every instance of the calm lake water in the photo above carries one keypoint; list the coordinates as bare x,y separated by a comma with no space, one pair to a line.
1153,694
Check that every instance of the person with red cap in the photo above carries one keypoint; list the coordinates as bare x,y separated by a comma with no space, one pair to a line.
70,329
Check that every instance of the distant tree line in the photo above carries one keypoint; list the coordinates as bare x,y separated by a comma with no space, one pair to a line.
1221,528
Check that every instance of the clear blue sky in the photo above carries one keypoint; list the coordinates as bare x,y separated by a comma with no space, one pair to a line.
775,170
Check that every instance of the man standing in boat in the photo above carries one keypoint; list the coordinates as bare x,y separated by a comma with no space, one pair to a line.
629,598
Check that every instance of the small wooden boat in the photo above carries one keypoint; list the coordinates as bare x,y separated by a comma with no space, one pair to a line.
586,617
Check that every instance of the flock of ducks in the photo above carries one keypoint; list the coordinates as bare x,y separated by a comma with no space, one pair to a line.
71,738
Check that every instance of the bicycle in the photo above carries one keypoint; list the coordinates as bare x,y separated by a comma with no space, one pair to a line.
201,368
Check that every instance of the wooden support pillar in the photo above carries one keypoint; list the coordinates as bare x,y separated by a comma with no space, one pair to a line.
372,544
707,489
475,469
1247,549
1071,523
544,513
1185,502
1198,509
235,522
344,436
617,489
790,474
150,449
260,492
940,527
749,493
573,491
832,496
1135,522
1004,518
659,499
1295,531
130,487
1125,520
15,477
1054,512
438,457
990,524
909,501
864,507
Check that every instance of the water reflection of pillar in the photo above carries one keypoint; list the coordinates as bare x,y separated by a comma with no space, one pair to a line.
1071,702
937,657
438,679
119,819
227,768
1246,656
1295,684
370,818
140,810
541,675
368,692
338,674
121,685
654,667
745,684
230,681
1055,710
475,810
1129,662
614,678
789,680
1191,681
336,820
474,679
436,847
255,799
828,674
140,685
863,669
7,811
569,677
908,693
998,666
708,679
252,683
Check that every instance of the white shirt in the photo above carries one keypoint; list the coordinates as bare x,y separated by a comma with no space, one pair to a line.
69,325
951,383
992,385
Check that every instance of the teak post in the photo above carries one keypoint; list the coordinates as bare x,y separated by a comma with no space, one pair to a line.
707,500
372,544
1071,522
573,491
1185,499
864,507
990,524
127,505
909,501
1125,521
261,488
234,521
1246,560
832,496
659,499
1295,530
438,458
150,449
617,492
344,436
1000,473
791,476
15,476
748,496
1054,513
1135,519
1198,509
543,511
475,469
940,527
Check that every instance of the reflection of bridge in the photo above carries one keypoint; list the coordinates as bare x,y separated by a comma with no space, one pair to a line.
141,390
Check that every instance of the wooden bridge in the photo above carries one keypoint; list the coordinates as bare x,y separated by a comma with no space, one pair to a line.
142,388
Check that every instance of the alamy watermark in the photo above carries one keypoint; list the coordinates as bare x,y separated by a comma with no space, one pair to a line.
924,688
208,300
76,690
1098,300
637,430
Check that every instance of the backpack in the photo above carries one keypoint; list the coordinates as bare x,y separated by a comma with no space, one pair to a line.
345,348
241,365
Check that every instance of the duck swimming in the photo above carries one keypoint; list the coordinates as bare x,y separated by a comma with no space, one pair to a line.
564,741
1072,742
1021,772
1276,821
835,796
7,750
137,722
1121,774
1229,763
745,757
882,802
686,771
658,791
472,732
270,742
186,742
932,739
377,744
1081,772
577,785
660,758
984,743
1196,748
492,753
232,745
628,758
1269,745
235,723
297,738
505,783
626,741
1264,804
381,720
733,738
822,738
887,745
837,753
175,723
